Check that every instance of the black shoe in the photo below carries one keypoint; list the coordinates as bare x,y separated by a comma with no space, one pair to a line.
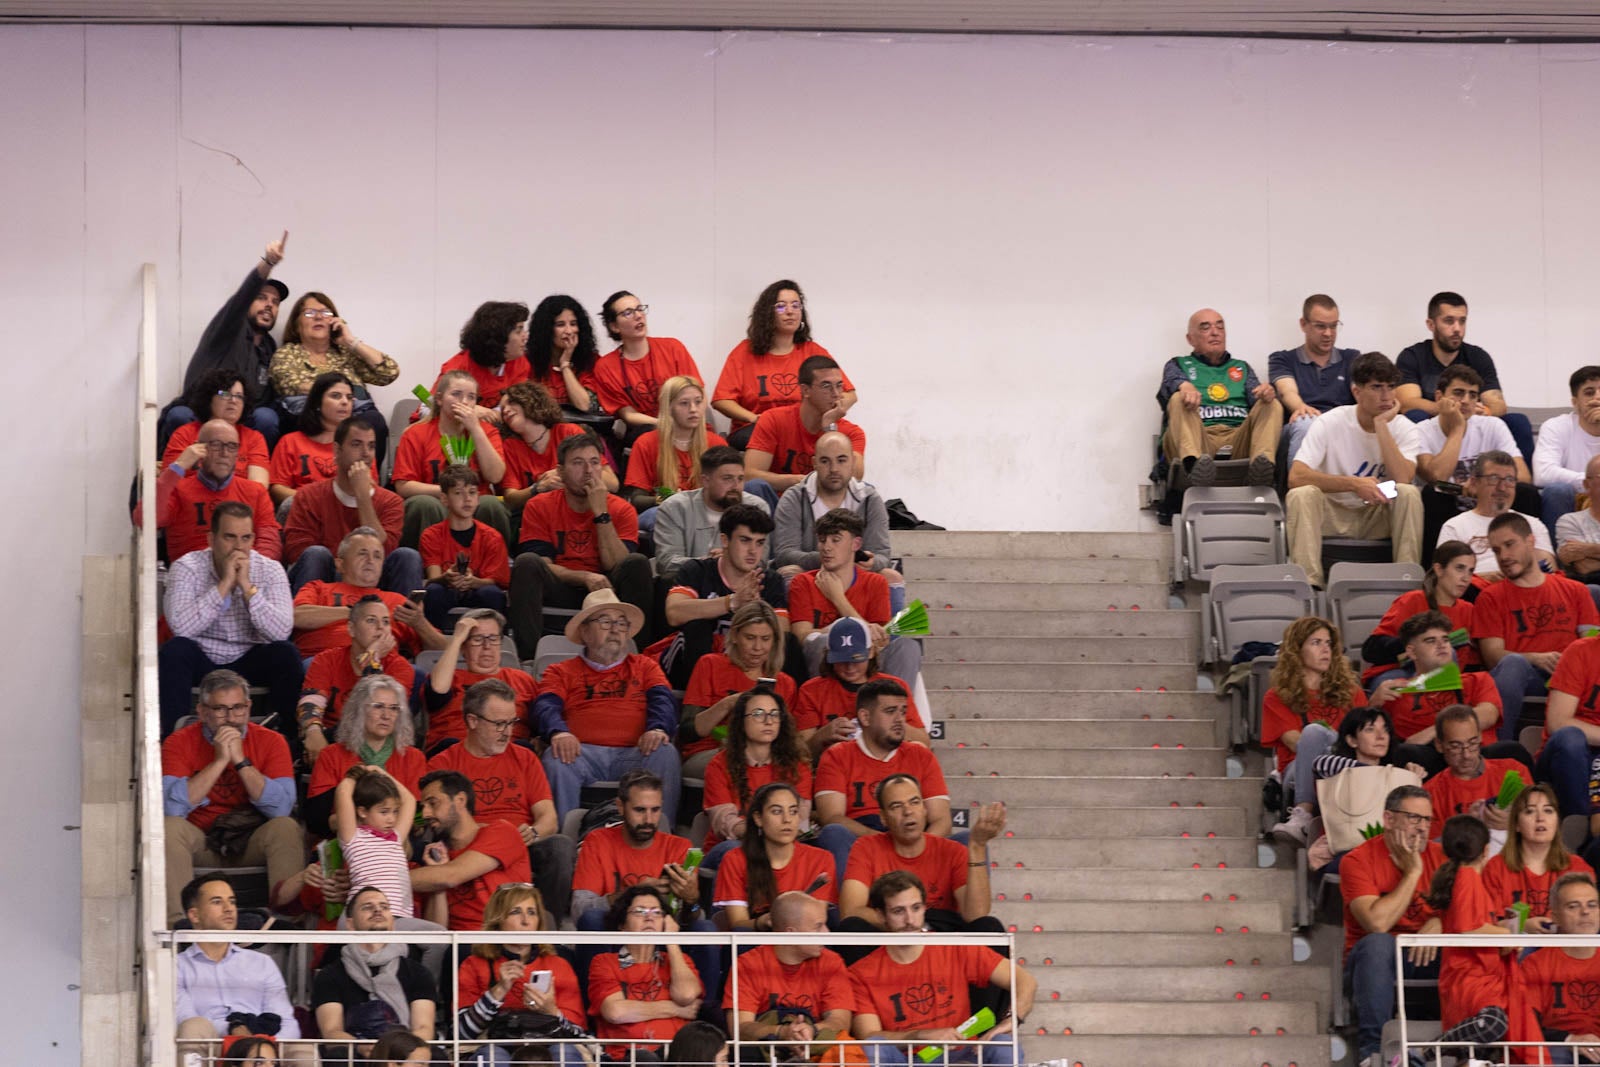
1204,471
1262,471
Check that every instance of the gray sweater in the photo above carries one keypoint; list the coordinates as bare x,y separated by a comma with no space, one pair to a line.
794,542
685,530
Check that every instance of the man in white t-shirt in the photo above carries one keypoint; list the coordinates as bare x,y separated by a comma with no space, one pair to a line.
1565,446
1578,532
1493,484
1352,477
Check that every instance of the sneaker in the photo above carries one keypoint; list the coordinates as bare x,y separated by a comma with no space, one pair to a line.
1262,471
1296,829
1204,471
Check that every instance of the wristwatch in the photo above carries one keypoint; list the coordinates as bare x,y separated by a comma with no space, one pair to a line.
603,520
242,764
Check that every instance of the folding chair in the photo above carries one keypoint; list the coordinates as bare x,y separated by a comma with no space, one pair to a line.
399,419
1359,595
1227,525
1252,604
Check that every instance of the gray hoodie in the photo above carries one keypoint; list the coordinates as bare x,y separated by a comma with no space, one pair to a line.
794,542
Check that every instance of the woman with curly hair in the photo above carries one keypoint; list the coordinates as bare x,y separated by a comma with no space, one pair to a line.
762,371
770,861
666,460
1311,689
534,430
763,747
220,394
562,352
494,345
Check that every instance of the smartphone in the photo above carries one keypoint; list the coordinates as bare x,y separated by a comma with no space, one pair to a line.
1388,489
417,596
540,980
462,560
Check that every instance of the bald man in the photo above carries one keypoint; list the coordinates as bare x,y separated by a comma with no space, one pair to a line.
1214,401
1578,532
831,484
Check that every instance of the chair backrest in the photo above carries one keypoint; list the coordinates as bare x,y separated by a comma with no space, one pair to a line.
1360,594
1255,604
1227,525
399,419
552,649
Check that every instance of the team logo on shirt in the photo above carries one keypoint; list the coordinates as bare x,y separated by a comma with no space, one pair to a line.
792,1002
577,542
488,790
1582,994
784,384
924,1000
1217,391
649,989
606,689
1236,373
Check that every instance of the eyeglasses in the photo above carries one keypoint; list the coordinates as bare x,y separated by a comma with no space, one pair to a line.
1412,819
609,622
628,313
480,640
1496,479
764,715
229,709
500,725
316,313
1323,327
227,448
646,913
781,306
228,394
828,385
1457,748
375,706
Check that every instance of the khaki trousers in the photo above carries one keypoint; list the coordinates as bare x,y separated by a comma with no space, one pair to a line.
1312,516
1188,436
278,843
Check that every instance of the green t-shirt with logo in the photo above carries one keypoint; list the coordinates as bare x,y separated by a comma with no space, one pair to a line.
1223,401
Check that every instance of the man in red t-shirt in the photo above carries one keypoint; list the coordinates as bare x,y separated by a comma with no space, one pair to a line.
334,672
785,439
605,712
221,764
907,991
509,784
1383,882
322,609
848,774
469,859
1524,622
841,588
183,504
574,542
1469,783
323,513
1572,726
1563,984
420,458
472,655
635,851
791,992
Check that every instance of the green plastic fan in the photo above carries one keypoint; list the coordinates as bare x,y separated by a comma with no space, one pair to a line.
911,622
1435,681
1510,789
1372,830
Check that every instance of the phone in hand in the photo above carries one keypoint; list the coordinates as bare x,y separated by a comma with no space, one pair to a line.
540,980
462,560
1387,489
417,596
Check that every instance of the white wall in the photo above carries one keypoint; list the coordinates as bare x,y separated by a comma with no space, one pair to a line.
1001,238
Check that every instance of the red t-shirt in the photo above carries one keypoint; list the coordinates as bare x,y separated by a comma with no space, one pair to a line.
808,864
298,460
714,677
506,786
1542,619
1507,887
793,448
642,981
847,768
556,385
868,594
929,993
942,866
406,766
1413,602
1469,978
1564,991
499,841
187,516
186,753
336,634
490,383
1369,871
566,537
1453,796
647,450
1277,719
761,383
824,699
478,974
252,447
625,383
608,864
448,721
420,458
719,786
319,517
603,707
815,986
1578,675
331,677
1414,712
524,466
486,556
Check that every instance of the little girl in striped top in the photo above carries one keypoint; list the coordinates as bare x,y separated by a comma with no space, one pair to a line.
374,815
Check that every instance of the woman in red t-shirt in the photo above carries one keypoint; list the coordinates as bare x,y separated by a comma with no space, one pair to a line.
306,455
221,394
1311,689
656,471
562,352
763,746
1532,859
494,345
770,861
752,650
534,432
1444,586
499,979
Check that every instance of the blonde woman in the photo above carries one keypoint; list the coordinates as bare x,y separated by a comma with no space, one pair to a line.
655,471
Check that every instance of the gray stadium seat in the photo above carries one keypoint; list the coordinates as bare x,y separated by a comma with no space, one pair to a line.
1359,594
399,419
1223,525
1252,604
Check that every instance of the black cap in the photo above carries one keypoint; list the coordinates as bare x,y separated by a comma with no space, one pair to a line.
283,290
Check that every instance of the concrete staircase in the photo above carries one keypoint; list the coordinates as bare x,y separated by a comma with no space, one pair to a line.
1131,868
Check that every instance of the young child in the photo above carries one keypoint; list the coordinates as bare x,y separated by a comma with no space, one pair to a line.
373,814
466,560
1481,996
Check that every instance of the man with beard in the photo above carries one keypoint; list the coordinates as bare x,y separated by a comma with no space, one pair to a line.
831,485
1561,982
701,603
1493,484
1422,366
686,523
846,802
635,851
791,992
467,860
1469,783
366,990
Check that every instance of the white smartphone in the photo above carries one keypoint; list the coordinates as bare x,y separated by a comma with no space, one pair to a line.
540,980
1388,489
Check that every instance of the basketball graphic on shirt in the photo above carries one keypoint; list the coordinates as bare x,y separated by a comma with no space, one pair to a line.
793,1002
1541,615
608,689
649,989
784,384
488,790
1216,391
578,542
922,998
1236,373
1583,995
229,791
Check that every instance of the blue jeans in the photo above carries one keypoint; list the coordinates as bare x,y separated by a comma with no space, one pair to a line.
1316,740
1370,971
1294,434
647,520
600,763
1556,501
763,489
1517,679
1565,763
1001,1050
402,570
440,599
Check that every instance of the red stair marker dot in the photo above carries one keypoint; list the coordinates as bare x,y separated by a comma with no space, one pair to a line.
1011,833
1227,963
1066,1030
1211,833
1281,1031
1133,607
1019,863
1156,744
1205,896
1266,996
1180,745
1042,1031
1199,803
1145,717
1197,866
961,744
1038,929
1238,996
1184,834
1161,689
1189,775
1049,961
999,896
1055,995
1233,896
1255,1031
1222,866
1244,929
1255,962
1012,928
1173,804
1216,930
1027,896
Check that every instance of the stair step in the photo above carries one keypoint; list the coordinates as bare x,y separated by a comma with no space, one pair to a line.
964,568
1041,596
1296,982
1047,791
1116,883
1013,703
1222,1019
1080,733
1060,649
1155,853
955,622
991,675
1168,759
1032,824
1197,917
1121,1050
1156,949
986,544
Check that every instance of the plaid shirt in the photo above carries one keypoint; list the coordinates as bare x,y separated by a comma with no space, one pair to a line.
226,629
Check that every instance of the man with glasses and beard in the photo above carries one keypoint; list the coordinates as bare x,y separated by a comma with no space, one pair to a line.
687,522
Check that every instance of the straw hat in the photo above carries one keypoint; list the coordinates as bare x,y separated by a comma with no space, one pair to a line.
596,602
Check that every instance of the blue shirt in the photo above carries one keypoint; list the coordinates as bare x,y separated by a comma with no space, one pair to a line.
1323,388
242,980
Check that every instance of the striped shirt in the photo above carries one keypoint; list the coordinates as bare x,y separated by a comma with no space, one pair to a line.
380,863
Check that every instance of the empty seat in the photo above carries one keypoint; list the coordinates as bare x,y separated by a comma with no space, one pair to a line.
1359,594
1227,525
1252,604
399,419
